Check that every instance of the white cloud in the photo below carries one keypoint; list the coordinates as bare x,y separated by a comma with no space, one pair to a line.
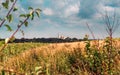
71,10
48,11
107,8
65,8
37,2
59,3
65,13
97,15
40,1
102,9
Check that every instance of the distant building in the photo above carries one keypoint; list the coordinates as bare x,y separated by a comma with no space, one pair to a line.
61,36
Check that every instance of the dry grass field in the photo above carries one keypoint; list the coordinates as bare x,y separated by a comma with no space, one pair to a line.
64,59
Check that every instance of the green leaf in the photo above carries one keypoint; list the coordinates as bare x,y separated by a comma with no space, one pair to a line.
31,12
15,9
23,15
12,0
3,72
8,27
26,24
5,5
5,18
30,8
1,19
38,13
28,15
32,15
21,21
38,10
10,18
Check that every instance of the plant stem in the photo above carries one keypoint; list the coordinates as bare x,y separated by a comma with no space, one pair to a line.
12,7
110,50
19,26
90,31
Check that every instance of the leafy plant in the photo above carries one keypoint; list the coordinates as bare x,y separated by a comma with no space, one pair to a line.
10,7
9,18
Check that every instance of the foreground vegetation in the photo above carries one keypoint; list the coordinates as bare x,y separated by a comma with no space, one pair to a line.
54,59
15,49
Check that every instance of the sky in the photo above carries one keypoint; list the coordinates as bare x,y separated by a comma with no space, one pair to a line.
65,17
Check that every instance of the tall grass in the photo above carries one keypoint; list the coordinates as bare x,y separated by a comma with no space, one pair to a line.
90,61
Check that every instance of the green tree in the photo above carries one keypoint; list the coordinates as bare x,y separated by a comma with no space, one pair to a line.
10,7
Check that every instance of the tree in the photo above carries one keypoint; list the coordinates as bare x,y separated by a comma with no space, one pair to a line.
10,7
86,37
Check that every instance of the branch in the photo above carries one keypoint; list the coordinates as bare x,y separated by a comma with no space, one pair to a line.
19,26
90,31
114,19
8,12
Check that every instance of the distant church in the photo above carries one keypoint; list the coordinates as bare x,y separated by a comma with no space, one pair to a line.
61,36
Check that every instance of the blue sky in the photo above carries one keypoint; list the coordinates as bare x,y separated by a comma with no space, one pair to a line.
66,17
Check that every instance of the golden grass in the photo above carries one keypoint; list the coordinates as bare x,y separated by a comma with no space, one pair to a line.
51,49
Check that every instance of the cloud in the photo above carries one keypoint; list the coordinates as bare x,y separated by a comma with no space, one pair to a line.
38,1
59,3
108,9
48,12
72,10
64,8
103,7
88,8
66,16
69,16
112,3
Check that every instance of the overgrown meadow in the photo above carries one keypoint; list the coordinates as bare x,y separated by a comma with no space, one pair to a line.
84,58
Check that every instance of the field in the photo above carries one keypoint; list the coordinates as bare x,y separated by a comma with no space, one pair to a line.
75,58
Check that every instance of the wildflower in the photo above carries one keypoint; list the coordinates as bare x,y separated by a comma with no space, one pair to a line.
91,56
86,56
